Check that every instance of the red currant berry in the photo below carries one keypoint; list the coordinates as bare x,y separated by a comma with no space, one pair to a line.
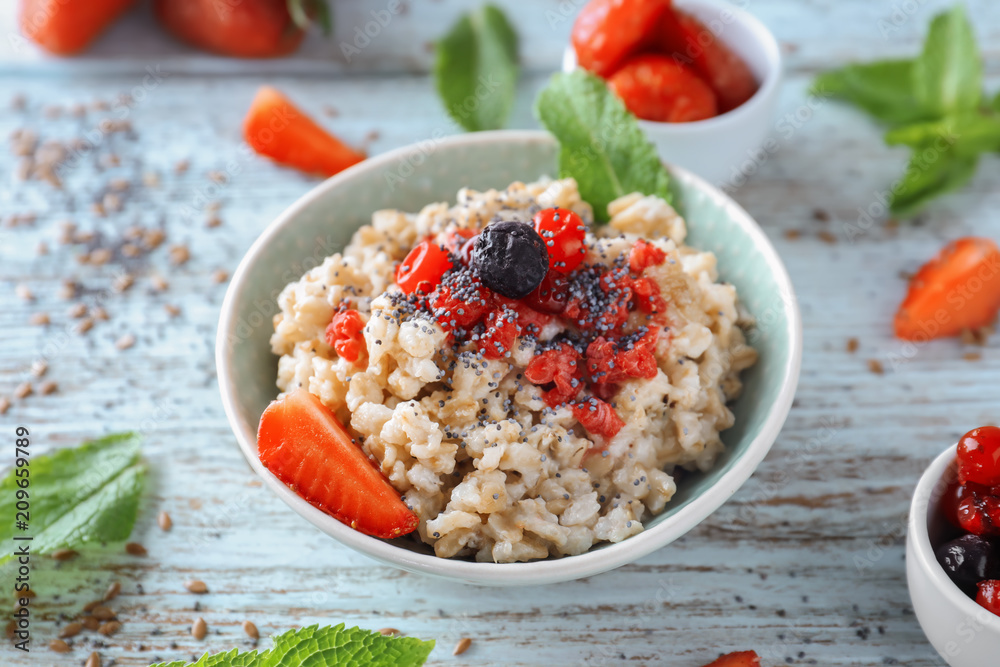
988,595
597,417
979,456
644,254
563,232
345,334
423,267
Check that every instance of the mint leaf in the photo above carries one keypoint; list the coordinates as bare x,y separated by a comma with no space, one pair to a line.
79,496
995,104
927,178
600,142
327,647
967,134
476,69
884,89
948,75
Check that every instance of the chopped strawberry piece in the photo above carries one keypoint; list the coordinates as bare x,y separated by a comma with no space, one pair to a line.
561,366
643,255
740,659
304,445
345,334
647,296
988,595
501,331
608,363
597,417
66,27
608,31
658,88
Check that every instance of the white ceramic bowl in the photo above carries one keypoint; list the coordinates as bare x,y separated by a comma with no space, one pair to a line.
408,178
965,634
725,149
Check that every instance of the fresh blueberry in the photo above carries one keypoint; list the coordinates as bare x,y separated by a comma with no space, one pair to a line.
511,258
968,560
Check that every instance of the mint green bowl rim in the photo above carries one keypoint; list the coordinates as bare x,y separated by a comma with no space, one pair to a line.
550,570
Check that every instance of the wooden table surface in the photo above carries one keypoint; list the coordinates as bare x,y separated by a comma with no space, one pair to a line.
805,564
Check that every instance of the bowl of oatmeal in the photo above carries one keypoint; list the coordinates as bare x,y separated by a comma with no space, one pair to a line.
543,396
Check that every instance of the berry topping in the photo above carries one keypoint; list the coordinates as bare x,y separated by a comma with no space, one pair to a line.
501,330
953,496
643,255
988,595
561,366
551,295
597,417
344,334
422,269
511,258
612,362
968,560
460,301
563,232
980,514
979,456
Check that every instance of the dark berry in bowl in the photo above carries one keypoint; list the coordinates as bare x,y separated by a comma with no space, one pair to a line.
968,560
511,258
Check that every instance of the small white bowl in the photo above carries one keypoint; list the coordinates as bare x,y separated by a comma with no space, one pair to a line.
725,149
965,634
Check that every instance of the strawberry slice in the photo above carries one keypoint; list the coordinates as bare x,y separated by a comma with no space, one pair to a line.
740,659
301,442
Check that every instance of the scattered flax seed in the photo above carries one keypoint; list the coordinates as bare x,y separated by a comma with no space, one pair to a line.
972,356
113,590
48,388
196,586
179,254
164,521
151,179
172,310
158,282
827,237
122,282
98,313
153,238
792,234
462,646
199,629
181,166
39,319
59,646
110,628
91,623
220,276
42,249
84,237
77,310
125,342
71,630
102,613
130,250
110,160
39,368
388,632
217,177
821,215
23,390
83,258
24,292
100,256
853,345
68,290
4,405
875,366
135,549
97,208
94,660
85,325
213,221
213,206
119,184
64,554
251,630
112,202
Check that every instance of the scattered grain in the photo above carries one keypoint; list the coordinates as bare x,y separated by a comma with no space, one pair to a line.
71,630
113,590
85,325
218,177
11,629
97,208
179,254
199,629
213,221
119,184
59,646
220,276
24,292
135,549
153,238
213,206
125,342
389,632
39,319
827,237
972,356
4,405
122,282
130,250
68,290
91,623
875,366
39,367
92,605
100,256
151,179
94,660
48,388
158,282
112,202
102,613
251,630
182,166
164,521
98,313
462,646
23,390
853,345
76,311
110,159
42,249
196,586
172,310
110,628
792,234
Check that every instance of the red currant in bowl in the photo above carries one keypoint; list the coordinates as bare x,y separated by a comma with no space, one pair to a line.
423,267
563,232
979,456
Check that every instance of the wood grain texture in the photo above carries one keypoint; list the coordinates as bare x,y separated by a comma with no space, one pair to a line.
804,564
